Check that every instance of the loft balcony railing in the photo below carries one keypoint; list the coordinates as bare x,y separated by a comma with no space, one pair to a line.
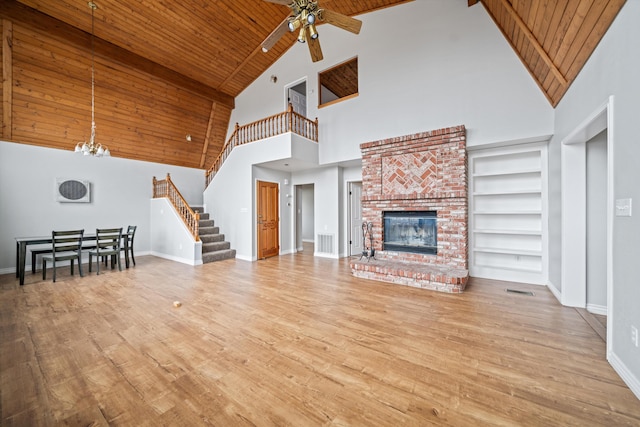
289,121
166,188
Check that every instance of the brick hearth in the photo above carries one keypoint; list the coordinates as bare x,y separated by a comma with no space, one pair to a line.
425,171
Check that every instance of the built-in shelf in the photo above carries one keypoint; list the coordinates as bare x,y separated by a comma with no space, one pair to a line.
507,193
507,173
507,213
515,232
518,268
517,252
508,210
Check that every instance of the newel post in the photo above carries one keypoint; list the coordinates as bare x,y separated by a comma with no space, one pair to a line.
290,116
155,186
196,226
169,188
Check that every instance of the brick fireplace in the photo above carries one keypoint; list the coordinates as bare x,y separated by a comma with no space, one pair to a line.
424,172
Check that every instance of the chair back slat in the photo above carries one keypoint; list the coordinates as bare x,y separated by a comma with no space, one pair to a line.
108,239
67,241
131,233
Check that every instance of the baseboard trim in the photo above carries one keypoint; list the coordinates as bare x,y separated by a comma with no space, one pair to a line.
9,270
556,293
597,309
177,259
624,372
325,255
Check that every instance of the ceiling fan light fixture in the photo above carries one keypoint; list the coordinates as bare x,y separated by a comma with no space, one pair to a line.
305,14
313,33
311,19
302,36
294,24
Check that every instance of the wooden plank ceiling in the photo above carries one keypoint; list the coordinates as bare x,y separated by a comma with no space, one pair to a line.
217,43
554,39
163,69
168,68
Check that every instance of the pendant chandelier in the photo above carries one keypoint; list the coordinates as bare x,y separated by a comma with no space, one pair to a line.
92,148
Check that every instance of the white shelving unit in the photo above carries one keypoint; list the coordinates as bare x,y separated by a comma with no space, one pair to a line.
508,213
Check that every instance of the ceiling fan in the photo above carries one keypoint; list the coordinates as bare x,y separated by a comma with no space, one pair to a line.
304,16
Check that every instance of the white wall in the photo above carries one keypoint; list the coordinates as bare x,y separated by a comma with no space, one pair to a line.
121,190
230,197
612,70
423,65
171,239
326,190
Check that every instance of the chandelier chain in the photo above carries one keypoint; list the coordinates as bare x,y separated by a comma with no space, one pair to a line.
91,148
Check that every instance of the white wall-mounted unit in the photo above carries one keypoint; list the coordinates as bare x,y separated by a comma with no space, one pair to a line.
72,191
508,199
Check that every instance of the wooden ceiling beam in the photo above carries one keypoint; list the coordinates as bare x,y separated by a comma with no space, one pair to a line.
534,42
207,137
472,2
32,18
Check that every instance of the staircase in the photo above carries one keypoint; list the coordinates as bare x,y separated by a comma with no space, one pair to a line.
214,248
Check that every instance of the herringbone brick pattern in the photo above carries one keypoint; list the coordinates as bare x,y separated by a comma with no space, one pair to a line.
409,173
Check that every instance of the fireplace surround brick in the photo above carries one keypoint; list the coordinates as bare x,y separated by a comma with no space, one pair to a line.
424,171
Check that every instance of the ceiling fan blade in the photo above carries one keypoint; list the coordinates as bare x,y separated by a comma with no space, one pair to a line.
314,48
345,22
284,2
275,35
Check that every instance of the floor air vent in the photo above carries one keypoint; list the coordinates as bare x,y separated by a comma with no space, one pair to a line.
519,292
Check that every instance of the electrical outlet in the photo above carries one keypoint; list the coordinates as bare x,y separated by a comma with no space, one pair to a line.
634,335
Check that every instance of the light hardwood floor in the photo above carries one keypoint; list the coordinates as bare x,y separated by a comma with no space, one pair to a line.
295,340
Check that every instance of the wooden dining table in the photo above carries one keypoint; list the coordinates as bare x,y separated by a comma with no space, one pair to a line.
23,242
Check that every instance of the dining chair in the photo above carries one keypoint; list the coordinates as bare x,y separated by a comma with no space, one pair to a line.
128,248
107,244
65,246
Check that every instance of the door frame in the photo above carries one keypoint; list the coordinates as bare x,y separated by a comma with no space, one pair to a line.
298,217
573,187
350,218
293,84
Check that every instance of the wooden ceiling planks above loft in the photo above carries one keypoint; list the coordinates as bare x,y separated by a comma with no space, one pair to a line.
554,39
216,43
165,69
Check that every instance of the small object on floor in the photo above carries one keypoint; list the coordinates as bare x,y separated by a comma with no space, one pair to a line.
177,304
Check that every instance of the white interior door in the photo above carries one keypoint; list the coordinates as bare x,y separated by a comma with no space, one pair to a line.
298,101
355,218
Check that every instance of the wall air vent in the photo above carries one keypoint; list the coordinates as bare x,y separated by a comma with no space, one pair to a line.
73,191
325,243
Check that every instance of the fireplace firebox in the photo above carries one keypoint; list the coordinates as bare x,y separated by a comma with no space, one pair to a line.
410,231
